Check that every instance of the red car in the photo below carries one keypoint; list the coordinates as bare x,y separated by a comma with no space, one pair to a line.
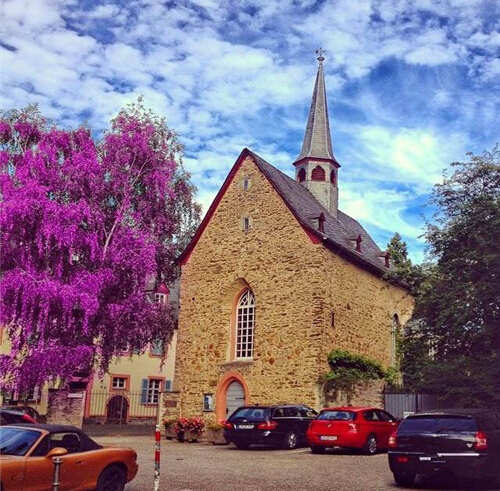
366,428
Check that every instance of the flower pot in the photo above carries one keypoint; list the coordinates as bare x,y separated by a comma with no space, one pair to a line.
191,436
216,437
170,434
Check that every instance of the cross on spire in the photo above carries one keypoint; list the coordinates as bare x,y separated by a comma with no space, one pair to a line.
320,52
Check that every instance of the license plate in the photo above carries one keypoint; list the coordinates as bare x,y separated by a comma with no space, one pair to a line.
426,459
328,438
244,427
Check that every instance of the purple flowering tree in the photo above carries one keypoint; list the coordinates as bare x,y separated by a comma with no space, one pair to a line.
86,228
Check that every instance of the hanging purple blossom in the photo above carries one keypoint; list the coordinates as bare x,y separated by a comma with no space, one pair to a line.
85,226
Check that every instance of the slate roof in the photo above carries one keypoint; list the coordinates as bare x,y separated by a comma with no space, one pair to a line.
317,140
339,233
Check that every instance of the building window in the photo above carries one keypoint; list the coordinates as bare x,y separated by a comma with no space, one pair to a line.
318,173
246,184
208,402
394,340
246,224
119,383
160,298
154,387
245,322
301,176
333,178
157,347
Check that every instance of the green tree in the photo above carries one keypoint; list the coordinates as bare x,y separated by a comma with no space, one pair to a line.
411,275
458,309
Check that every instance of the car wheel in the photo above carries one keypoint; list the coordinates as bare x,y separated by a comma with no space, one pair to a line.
404,479
242,445
317,450
370,447
112,479
290,441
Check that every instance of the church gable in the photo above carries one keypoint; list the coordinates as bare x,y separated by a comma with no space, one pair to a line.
241,205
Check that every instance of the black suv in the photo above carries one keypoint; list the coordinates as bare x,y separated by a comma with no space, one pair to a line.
281,425
464,442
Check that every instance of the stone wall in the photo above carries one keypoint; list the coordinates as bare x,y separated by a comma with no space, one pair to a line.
297,285
66,407
365,394
170,405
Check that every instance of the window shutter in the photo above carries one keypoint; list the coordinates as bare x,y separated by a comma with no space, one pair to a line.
168,386
144,391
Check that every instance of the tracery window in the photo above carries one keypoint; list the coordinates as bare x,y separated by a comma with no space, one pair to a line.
245,323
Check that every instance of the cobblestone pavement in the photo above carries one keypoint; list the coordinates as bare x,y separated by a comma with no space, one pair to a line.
205,467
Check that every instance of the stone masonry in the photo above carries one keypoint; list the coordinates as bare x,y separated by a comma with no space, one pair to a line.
308,300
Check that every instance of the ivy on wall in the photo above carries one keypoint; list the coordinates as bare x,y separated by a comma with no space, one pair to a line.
349,370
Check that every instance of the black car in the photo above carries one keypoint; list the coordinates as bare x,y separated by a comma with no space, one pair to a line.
31,411
12,417
465,443
281,425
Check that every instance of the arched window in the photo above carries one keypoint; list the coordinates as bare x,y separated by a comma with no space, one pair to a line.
333,178
394,337
245,323
301,176
318,173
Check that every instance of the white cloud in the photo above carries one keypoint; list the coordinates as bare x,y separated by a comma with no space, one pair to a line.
231,75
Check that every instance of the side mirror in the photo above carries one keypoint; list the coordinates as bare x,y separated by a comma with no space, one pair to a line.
57,452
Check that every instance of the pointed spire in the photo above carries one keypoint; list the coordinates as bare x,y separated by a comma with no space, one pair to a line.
317,140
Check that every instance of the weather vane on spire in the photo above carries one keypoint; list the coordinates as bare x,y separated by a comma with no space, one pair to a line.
320,52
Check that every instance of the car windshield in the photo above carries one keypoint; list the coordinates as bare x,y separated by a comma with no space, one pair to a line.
17,441
250,413
337,415
437,424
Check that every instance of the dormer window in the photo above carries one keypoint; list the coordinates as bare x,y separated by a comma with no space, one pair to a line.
301,176
356,242
318,173
321,222
161,294
386,256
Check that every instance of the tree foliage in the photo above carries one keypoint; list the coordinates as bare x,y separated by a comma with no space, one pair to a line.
412,276
458,310
85,226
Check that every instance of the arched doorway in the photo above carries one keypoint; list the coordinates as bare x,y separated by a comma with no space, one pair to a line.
235,397
232,392
117,410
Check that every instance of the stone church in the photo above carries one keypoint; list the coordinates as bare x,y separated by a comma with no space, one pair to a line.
275,278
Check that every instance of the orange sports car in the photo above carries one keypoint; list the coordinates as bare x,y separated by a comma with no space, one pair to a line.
26,453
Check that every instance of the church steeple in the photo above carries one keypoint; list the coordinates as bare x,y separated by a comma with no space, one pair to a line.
316,166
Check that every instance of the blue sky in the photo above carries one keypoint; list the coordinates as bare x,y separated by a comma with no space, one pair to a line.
412,84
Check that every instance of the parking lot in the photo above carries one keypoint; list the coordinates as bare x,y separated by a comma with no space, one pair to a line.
201,466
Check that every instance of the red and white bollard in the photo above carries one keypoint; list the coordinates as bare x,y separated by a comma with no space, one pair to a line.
157,458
